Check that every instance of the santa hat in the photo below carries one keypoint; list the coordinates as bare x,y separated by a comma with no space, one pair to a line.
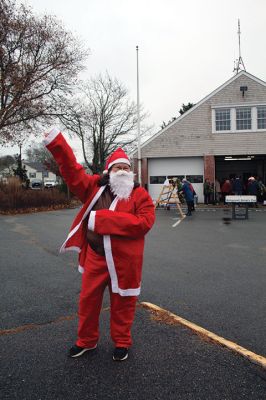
118,156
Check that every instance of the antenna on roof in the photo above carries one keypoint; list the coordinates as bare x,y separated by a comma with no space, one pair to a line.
239,63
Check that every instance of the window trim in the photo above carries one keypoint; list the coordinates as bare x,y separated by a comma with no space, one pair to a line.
233,107
257,118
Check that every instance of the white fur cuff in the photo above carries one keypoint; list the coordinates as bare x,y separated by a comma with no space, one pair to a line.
51,136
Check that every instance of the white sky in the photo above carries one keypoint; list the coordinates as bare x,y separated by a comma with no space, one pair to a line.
186,48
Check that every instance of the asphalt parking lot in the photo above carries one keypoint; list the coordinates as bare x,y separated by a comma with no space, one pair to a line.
209,272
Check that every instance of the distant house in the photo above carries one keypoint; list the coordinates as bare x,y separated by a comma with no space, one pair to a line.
37,171
223,135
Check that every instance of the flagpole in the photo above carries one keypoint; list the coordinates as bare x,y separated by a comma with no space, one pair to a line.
138,115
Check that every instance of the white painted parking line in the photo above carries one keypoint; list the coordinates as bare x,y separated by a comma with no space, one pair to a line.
205,334
178,222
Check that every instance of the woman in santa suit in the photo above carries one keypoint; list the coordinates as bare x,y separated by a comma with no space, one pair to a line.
108,233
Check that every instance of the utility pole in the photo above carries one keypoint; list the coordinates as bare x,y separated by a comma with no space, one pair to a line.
138,115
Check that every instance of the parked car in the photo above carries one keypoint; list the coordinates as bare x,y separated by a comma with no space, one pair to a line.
49,184
36,184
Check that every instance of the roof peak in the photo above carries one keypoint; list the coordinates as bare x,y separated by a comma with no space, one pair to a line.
214,92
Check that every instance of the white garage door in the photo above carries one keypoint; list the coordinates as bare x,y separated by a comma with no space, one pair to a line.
192,168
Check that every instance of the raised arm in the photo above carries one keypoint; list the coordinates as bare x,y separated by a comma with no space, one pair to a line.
78,181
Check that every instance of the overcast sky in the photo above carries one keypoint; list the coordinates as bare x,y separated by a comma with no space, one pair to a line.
186,48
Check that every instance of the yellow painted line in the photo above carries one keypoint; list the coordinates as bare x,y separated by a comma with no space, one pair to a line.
207,335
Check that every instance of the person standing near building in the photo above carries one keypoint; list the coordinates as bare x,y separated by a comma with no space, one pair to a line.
207,191
194,195
108,233
217,191
253,188
237,186
226,189
189,196
261,190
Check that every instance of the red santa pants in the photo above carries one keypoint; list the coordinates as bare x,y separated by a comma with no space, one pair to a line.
94,281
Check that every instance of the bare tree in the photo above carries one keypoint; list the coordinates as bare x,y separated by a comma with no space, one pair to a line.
38,153
39,61
102,117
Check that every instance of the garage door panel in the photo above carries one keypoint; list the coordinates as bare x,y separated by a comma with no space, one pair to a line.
160,168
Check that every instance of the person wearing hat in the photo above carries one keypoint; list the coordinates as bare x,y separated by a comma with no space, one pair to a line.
253,188
108,233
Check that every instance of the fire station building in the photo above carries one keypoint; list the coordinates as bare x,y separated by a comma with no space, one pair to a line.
223,135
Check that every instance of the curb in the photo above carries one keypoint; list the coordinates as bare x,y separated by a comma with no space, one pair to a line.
206,335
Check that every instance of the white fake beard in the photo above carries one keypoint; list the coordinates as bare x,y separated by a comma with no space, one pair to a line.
121,183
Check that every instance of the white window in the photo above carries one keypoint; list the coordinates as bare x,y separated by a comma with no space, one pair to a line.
223,119
238,118
243,118
261,119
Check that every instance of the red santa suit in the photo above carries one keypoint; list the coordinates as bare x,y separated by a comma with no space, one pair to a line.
122,228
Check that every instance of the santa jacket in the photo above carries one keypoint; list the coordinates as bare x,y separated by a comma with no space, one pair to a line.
123,225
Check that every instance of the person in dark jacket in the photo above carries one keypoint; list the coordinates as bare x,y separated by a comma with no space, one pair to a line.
194,195
189,196
237,186
207,191
253,188
262,190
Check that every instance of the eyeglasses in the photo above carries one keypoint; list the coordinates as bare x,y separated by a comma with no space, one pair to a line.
120,168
